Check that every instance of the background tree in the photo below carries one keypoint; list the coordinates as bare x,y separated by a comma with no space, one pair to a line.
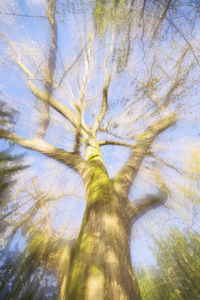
9,165
31,272
178,273
108,93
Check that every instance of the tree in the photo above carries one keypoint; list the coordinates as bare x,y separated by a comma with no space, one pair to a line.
29,273
146,101
10,165
178,273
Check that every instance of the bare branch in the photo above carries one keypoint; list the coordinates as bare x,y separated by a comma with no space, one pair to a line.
78,132
104,103
17,60
185,39
166,163
45,96
60,108
143,8
115,143
30,213
22,15
107,130
70,159
71,66
162,17
80,106
48,84
178,80
42,200
150,201
128,172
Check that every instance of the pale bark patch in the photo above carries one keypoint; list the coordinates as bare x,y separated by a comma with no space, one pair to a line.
63,269
89,241
95,285
118,292
111,258
111,223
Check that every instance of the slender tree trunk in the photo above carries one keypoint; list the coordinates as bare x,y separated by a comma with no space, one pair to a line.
100,262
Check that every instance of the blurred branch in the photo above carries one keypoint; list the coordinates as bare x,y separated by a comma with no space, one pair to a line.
185,39
177,81
151,201
162,17
80,106
107,130
42,199
60,108
70,159
17,60
71,66
128,172
44,95
51,65
22,15
104,102
166,163
143,8
115,143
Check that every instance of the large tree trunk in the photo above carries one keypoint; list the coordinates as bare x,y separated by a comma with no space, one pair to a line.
100,262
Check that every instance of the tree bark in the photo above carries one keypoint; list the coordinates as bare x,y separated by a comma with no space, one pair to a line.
101,263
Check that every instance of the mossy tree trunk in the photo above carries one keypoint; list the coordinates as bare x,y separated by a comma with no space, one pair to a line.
101,263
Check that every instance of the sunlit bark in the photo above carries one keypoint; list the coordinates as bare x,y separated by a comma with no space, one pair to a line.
101,262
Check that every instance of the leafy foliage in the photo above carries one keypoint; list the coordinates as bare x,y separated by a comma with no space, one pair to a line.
9,164
177,276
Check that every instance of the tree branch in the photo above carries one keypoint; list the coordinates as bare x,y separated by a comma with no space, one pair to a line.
78,132
185,39
80,106
115,143
166,7
45,96
141,206
22,15
104,103
128,172
48,84
60,108
70,159
17,60
181,172
178,80
70,66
